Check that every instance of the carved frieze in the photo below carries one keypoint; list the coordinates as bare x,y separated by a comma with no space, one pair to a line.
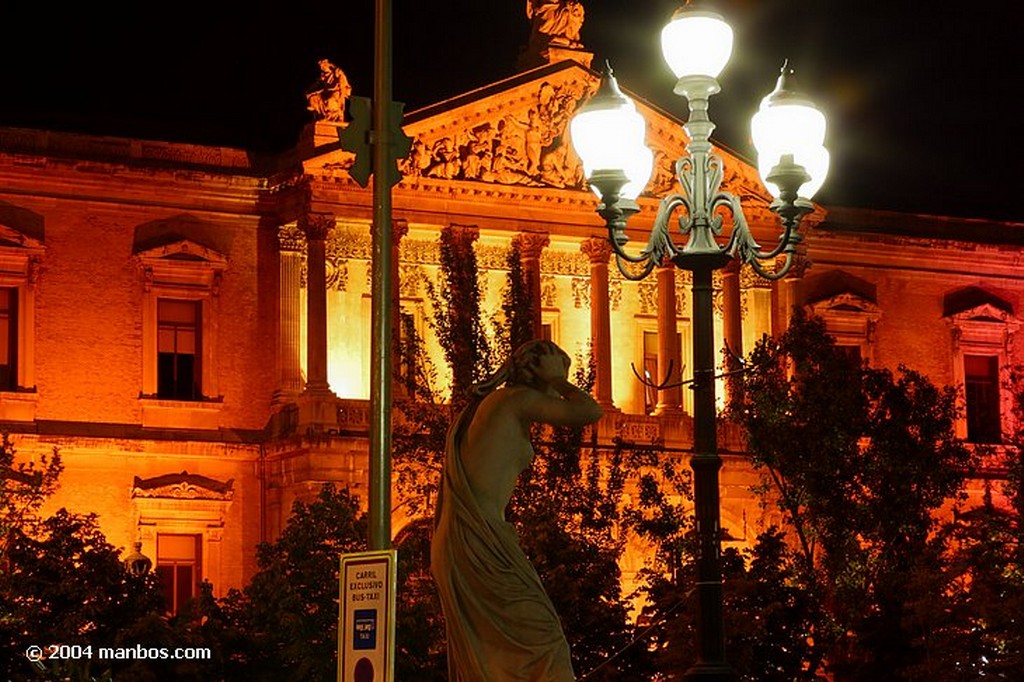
291,238
564,263
615,294
411,281
548,291
580,292
523,143
647,295
421,251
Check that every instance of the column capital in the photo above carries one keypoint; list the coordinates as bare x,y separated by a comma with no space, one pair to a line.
316,226
399,228
290,238
597,249
465,234
531,243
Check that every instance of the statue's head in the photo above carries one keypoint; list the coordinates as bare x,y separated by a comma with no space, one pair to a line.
516,371
526,357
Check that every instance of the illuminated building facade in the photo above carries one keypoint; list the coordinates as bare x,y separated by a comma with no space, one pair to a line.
190,325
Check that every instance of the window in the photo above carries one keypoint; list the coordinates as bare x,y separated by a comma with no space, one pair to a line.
408,345
850,320
981,389
180,318
650,371
178,568
983,326
8,339
178,350
20,256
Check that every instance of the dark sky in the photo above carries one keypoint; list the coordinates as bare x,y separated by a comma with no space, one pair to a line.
922,98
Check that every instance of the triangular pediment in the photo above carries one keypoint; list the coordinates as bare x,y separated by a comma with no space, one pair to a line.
183,250
182,237
513,133
974,303
11,237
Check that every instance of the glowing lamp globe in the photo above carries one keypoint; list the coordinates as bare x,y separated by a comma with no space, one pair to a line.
789,126
608,135
696,42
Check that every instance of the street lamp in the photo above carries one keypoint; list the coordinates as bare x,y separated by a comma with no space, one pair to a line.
788,132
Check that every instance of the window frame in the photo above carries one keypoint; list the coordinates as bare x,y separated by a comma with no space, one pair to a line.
20,258
185,271
984,330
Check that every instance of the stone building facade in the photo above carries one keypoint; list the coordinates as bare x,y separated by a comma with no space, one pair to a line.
190,325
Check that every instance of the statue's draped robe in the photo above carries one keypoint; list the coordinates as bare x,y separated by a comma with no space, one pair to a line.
500,623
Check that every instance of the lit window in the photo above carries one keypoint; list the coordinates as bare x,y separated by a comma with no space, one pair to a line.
178,346
178,569
8,338
983,326
650,371
408,345
981,388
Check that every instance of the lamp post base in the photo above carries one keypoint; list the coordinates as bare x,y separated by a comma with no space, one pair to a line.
711,672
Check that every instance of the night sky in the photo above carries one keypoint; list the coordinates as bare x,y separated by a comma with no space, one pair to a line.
923,104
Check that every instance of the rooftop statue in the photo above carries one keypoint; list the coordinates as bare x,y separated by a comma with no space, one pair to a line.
327,97
555,22
501,624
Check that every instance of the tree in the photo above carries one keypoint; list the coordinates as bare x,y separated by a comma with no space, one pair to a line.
858,460
61,581
284,624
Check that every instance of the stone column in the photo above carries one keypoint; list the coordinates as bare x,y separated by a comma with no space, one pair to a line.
599,251
787,293
399,229
670,400
732,323
318,409
531,245
732,318
291,243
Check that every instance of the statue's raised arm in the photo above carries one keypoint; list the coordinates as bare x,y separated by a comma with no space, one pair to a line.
501,624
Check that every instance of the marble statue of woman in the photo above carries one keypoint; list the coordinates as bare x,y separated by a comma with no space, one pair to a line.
501,625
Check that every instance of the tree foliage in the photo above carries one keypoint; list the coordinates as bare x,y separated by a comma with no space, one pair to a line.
61,582
284,624
858,461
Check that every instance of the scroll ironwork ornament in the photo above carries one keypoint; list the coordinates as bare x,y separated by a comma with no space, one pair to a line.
702,205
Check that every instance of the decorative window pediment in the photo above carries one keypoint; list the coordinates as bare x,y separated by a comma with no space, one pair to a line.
989,323
183,486
182,263
851,320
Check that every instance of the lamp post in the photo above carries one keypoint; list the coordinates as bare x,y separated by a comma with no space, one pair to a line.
788,132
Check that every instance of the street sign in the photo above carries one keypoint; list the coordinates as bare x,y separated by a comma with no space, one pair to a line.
366,631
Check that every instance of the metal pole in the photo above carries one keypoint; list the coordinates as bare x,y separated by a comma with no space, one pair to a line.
710,663
381,331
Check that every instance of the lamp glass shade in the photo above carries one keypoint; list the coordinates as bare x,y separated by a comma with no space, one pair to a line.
638,169
606,138
815,160
696,43
788,126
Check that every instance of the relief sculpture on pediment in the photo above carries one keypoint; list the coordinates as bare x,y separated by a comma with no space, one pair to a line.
522,147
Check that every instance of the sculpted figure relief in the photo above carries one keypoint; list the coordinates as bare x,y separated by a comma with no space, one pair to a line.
556,22
327,97
501,625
